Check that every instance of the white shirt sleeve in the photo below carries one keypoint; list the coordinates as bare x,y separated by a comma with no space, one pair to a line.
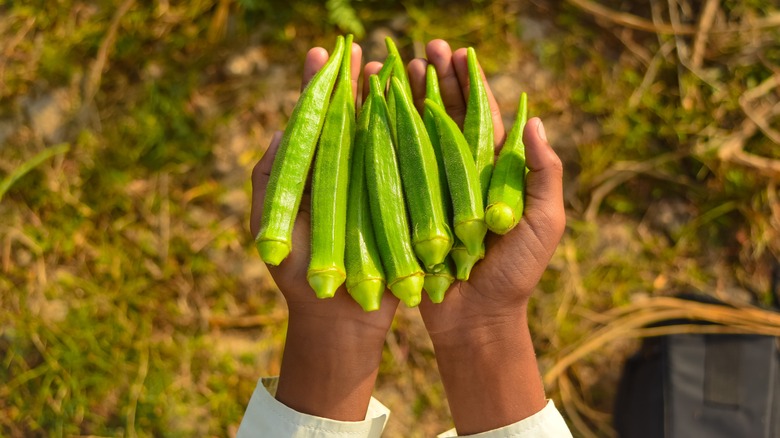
267,417
547,423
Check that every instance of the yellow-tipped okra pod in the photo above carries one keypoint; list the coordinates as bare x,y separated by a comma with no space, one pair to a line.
463,180
431,235
507,187
404,276
329,185
293,160
365,277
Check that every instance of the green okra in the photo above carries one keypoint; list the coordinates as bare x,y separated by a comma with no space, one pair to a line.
431,235
399,71
330,183
432,92
438,282
365,277
293,160
507,187
463,180
478,124
404,276
387,70
463,261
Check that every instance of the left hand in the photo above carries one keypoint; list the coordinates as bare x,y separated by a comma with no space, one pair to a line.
333,348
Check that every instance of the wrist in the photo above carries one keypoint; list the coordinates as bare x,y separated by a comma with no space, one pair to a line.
329,365
490,373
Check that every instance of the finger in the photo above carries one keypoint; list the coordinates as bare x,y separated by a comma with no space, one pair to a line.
315,59
440,55
357,59
371,68
544,210
417,71
260,175
461,65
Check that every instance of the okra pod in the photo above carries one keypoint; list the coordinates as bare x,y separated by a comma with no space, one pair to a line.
478,124
365,277
459,255
329,186
431,235
432,92
463,180
293,160
507,187
404,276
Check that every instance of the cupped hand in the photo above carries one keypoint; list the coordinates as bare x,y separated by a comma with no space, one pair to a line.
501,284
332,348
290,275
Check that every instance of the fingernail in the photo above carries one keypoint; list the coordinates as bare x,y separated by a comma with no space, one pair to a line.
540,131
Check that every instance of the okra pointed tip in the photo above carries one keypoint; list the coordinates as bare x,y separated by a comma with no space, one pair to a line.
471,233
409,289
273,251
500,218
326,282
368,293
432,251
436,286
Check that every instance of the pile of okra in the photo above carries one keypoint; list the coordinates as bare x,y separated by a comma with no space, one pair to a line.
399,200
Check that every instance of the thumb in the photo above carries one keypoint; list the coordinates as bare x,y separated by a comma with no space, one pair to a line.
544,211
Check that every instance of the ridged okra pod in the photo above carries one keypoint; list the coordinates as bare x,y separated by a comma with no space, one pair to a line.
404,276
478,124
365,277
460,256
507,187
431,235
438,282
463,180
330,183
293,160
432,92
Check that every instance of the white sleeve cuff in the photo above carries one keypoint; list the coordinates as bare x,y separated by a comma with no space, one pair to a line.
547,423
269,418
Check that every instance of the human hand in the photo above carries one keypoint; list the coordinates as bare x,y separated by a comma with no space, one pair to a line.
333,347
480,330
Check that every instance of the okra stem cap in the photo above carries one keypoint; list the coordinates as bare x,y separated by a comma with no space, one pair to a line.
436,286
500,218
432,251
471,233
273,251
368,293
326,282
409,289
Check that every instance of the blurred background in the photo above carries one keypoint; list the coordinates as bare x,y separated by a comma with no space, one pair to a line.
132,300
